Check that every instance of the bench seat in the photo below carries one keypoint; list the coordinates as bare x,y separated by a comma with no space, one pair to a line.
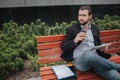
49,52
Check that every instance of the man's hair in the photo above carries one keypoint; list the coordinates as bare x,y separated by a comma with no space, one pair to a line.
86,8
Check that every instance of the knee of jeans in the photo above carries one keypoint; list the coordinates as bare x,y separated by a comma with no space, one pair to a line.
92,55
114,78
81,69
88,54
114,75
92,58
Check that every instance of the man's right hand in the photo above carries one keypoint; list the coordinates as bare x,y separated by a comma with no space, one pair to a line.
80,37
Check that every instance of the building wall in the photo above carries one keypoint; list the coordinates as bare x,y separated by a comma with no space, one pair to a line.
30,3
12,3
52,14
51,11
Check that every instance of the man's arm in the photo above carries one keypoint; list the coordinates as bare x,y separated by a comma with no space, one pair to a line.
72,39
68,42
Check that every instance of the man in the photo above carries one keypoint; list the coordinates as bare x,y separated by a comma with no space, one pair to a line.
78,42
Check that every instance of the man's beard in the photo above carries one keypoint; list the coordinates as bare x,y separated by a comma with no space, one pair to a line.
84,22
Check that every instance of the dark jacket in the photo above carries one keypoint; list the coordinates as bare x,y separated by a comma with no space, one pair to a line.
68,44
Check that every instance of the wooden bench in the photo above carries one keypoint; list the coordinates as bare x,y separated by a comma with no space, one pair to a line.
49,52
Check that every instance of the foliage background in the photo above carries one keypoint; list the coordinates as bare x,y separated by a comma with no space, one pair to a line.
18,43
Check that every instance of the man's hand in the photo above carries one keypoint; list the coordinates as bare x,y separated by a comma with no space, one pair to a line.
80,37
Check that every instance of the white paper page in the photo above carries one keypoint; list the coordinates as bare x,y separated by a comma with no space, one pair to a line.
100,46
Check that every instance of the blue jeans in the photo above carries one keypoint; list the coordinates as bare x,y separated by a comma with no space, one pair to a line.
100,65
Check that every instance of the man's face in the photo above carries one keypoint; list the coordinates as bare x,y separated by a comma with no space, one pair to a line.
84,17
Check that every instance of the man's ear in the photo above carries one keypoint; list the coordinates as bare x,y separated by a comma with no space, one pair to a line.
90,16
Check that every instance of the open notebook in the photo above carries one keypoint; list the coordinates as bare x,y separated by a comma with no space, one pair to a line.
100,46
63,72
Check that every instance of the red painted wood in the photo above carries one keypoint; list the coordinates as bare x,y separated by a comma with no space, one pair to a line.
49,51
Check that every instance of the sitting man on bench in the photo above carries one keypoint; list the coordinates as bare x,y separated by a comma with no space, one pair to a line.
77,44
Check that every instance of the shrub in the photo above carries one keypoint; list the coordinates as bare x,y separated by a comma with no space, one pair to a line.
19,42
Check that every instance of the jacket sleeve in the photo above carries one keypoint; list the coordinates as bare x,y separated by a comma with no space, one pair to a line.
68,42
96,35
99,40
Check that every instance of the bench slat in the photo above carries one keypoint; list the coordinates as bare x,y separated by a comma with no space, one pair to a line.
88,76
48,45
114,44
49,52
95,78
48,77
112,51
110,38
107,33
49,60
45,68
48,72
49,38
114,58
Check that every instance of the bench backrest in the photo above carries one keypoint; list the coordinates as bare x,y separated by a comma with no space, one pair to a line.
49,46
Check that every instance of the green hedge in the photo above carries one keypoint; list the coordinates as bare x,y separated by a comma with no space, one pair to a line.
18,42
108,22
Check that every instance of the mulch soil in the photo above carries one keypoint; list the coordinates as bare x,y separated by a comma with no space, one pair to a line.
25,73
